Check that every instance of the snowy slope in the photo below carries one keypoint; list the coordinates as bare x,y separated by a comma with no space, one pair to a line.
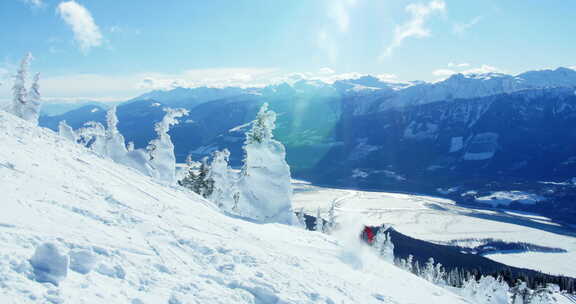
147,243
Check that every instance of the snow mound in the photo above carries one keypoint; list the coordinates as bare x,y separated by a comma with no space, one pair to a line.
129,239
49,264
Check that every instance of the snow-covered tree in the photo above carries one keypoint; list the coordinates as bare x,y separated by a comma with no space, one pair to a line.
331,225
115,143
26,104
93,136
439,275
199,182
520,293
319,225
383,245
429,270
66,131
224,181
161,149
388,249
379,241
190,177
410,263
265,184
20,93
487,290
302,218
545,295
31,110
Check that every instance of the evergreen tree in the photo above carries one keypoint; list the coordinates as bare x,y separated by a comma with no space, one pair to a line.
264,185
520,293
223,181
161,149
319,222
410,263
387,250
302,218
66,131
331,217
383,245
262,127
429,270
201,182
20,93
189,180
115,143
205,183
31,111
544,295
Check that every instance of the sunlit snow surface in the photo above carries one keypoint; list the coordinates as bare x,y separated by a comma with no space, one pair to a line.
440,220
136,241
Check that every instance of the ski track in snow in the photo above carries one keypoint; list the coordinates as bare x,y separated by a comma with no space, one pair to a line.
133,240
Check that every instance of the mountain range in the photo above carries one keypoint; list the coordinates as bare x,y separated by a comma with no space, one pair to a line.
469,132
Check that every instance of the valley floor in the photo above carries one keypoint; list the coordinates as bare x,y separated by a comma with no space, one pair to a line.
441,220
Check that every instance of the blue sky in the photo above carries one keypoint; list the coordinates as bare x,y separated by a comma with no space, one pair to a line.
115,49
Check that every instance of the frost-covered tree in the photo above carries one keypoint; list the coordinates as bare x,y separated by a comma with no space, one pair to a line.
410,263
331,225
487,290
520,293
439,275
93,136
302,218
115,143
199,182
31,110
319,226
20,93
379,241
66,131
545,295
224,181
265,190
388,249
26,103
161,149
429,270
190,177
383,244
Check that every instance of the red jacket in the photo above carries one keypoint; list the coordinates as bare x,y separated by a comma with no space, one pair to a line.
368,235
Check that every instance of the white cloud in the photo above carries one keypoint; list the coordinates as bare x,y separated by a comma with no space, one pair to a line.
443,72
103,87
483,69
458,65
415,27
461,28
86,32
326,71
